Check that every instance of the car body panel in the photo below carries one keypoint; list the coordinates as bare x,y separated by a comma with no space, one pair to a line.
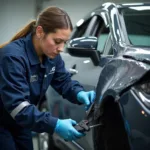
121,74
137,121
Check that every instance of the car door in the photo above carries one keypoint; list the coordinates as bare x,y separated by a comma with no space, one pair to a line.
90,73
84,71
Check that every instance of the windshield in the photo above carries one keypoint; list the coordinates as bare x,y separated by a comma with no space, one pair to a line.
137,21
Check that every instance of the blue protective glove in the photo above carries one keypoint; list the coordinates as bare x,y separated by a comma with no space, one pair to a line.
64,128
86,98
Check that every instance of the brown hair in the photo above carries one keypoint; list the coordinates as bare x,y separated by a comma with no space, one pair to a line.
50,19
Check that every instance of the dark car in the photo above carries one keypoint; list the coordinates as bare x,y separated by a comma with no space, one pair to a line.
109,52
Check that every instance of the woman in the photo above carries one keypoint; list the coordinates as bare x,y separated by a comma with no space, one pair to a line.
29,63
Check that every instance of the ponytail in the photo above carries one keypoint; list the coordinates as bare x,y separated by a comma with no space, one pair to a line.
23,32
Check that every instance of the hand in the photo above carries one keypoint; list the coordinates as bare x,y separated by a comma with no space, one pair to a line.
86,98
64,128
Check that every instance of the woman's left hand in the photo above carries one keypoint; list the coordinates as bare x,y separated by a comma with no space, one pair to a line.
86,98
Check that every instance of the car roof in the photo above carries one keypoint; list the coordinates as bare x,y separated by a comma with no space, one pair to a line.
110,5
126,5
121,5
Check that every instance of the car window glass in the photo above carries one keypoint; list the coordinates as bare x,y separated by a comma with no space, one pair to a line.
108,50
91,26
102,36
80,31
137,26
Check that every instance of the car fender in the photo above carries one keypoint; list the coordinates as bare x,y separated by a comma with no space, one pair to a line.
117,77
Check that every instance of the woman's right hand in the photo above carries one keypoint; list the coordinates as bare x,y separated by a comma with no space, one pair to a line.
64,128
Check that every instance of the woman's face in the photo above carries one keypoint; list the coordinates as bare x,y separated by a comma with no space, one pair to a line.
53,43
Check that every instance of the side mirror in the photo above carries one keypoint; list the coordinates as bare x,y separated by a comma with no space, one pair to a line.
84,47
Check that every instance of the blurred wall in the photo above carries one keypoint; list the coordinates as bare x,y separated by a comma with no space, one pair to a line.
78,8
14,14
75,8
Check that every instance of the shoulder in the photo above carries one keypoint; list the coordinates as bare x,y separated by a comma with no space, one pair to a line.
14,53
15,48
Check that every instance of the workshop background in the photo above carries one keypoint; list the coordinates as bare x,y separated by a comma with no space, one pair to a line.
14,14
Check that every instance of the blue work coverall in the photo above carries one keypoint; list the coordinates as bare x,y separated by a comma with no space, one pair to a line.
23,83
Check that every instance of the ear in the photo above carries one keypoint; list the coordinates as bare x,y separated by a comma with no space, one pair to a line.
39,32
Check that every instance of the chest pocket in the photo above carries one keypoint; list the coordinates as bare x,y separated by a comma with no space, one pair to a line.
35,81
40,79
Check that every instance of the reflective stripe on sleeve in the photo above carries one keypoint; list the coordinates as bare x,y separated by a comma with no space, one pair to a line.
19,108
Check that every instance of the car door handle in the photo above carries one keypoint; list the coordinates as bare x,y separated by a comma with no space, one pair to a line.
73,71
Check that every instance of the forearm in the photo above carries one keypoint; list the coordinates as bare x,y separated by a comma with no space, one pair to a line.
30,117
69,89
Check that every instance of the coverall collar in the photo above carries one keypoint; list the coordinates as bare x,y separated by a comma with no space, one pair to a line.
32,55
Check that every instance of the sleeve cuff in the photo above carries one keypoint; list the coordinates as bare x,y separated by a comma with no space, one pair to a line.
75,100
51,124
